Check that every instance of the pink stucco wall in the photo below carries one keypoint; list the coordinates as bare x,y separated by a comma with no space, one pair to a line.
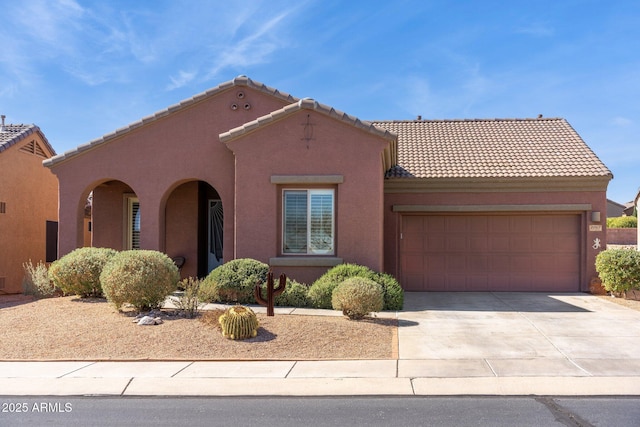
155,159
336,148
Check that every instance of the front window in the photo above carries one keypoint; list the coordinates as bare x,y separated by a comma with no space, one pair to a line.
308,222
133,223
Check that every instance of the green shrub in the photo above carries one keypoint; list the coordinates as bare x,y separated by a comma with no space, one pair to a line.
357,297
142,278
321,290
234,281
393,292
187,300
78,272
622,222
36,280
619,269
294,295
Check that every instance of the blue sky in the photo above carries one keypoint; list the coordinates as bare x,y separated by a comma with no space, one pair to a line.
80,69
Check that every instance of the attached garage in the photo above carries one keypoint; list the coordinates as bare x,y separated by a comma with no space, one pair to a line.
491,252
493,205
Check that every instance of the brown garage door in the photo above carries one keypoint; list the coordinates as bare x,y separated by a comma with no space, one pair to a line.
487,252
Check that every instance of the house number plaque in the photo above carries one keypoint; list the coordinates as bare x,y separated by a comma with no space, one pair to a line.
595,228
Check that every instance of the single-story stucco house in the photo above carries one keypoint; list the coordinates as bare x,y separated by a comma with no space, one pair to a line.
28,203
246,171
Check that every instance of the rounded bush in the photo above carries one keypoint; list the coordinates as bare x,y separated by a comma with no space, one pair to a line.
619,269
357,297
622,222
294,295
234,281
321,290
142,278
78,272
393,292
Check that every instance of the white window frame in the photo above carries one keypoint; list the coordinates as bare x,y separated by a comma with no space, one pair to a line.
309,247
132,207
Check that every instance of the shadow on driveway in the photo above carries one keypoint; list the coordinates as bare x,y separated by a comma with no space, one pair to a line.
493,301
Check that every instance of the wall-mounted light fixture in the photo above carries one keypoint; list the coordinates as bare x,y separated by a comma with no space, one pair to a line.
595,216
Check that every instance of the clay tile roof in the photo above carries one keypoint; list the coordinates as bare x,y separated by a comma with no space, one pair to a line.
11,134
493,148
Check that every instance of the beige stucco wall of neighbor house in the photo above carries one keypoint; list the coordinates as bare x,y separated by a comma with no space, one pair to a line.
153,159
29,193
495,195
336,155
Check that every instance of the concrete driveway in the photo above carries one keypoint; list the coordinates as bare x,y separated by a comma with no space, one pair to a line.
451,335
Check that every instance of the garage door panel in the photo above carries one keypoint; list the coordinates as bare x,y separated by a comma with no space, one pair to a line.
413,224
478,243
498,243
564,243
501,252
436,263
520,224
478,224
497,224
436,243
414,242
434,224
542,243
543,224
520,264
520,243
456,243
456,224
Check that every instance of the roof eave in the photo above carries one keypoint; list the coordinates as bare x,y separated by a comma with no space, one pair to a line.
491,185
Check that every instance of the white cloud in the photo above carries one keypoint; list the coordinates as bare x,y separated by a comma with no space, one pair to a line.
253,49
183,78
621,121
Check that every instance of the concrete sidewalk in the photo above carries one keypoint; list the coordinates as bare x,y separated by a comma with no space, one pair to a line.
449,344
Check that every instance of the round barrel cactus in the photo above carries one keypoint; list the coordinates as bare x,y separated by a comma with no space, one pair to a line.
239,323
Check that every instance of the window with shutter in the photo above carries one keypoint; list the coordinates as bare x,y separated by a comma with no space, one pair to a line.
308,222
133,223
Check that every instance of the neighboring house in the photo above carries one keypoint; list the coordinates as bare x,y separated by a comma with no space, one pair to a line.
629,208
28,203
246,171
614,209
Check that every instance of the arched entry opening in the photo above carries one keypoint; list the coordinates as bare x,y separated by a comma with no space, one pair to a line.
111,216
193,227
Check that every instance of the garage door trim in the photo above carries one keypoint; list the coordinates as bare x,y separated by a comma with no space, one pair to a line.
493,208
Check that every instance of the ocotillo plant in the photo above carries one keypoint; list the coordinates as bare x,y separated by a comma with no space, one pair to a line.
272,292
